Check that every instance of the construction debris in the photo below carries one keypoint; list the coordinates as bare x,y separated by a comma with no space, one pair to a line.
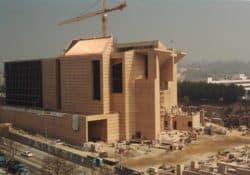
176,140
227,162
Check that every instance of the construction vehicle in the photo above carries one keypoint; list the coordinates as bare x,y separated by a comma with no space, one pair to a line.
102,12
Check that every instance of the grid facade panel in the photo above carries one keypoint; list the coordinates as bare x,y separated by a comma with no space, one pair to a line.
23,81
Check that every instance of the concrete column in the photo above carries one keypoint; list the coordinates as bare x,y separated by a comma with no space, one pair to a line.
86,129
153,66
194,165
202,117
179,169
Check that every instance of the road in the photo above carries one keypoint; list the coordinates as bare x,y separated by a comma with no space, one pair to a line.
35,163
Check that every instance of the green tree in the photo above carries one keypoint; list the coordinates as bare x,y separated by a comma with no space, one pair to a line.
204,92
57,166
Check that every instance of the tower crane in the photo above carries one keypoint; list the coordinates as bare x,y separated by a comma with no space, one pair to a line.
104,12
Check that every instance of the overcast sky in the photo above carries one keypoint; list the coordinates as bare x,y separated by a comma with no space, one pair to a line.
207,29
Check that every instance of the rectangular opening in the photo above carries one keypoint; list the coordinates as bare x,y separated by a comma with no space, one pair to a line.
117,78
96,80
97,130
190,124
146,66
175,125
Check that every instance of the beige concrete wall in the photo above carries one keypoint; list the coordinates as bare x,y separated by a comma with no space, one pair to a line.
168,83
105,77
77,83
182,121
60,127
146,115
148,101
55,127
134,70
125,103
49,83
76,86
113,128
117,105
196,119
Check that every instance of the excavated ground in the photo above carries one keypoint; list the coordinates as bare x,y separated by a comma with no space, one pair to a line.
198,150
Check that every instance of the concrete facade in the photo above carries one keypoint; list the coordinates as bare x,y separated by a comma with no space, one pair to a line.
147,87
181,121
59,125
50,83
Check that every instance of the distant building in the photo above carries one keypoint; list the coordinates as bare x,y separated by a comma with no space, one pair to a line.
238,80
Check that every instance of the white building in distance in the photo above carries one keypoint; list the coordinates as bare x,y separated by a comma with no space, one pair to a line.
238,80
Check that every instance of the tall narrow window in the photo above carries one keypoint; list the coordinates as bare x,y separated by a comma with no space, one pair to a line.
146,66
117,78
58,83
96,80
190,124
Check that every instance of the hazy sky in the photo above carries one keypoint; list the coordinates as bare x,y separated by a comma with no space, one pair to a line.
207,29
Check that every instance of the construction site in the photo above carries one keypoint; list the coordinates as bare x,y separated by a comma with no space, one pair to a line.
115,102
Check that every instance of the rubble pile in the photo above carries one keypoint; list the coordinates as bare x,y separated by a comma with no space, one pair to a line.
230,162
176,140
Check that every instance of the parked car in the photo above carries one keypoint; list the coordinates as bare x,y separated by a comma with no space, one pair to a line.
2,160
27,154
58,142
17,167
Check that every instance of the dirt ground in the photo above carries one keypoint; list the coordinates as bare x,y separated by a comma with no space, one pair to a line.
207,145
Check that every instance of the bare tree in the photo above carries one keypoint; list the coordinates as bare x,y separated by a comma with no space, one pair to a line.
57,166
106,171
12,149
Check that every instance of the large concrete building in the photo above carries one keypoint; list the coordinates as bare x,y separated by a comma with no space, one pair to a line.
97,90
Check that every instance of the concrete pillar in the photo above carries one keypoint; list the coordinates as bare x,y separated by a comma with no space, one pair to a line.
194,165
153,68
202,117
170,123
179,169
86,130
